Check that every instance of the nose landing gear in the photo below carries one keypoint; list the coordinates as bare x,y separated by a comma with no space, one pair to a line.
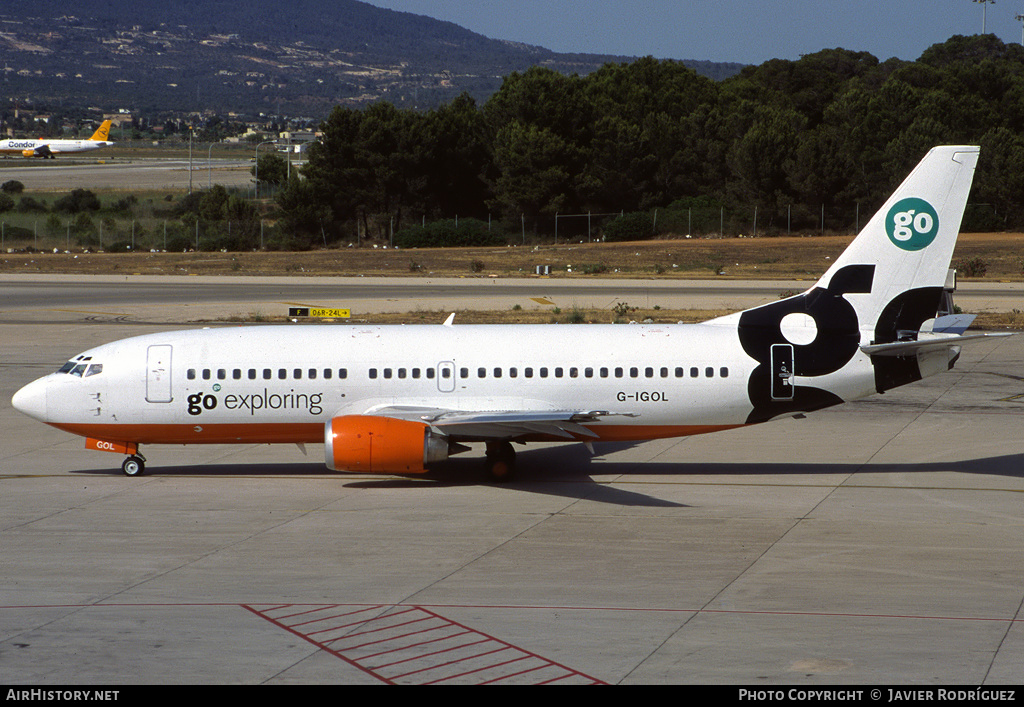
134,465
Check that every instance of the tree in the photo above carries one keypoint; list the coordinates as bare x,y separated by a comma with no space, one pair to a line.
456,159
760,158
533,178
271,168
368,167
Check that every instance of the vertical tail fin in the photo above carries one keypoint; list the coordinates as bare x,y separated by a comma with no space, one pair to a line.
102,132
907,245
811,347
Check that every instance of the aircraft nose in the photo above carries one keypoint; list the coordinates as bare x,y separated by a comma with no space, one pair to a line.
31,400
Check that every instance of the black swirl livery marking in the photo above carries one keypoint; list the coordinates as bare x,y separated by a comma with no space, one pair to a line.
901,319
836,343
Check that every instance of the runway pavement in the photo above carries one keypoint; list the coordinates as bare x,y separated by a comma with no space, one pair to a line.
162,298
112,172
877,543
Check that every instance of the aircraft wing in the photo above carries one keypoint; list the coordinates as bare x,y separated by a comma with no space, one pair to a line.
43,150
470,426
909,348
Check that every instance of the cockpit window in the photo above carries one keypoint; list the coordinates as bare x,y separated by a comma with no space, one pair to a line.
77,366
81,367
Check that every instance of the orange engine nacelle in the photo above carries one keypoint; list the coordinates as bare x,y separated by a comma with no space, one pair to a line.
381,444
28,153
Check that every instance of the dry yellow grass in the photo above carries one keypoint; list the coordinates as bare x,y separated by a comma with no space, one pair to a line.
743,258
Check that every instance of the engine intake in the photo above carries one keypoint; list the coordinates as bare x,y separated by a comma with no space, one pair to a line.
381,444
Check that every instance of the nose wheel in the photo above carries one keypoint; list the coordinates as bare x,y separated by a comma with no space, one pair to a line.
134,465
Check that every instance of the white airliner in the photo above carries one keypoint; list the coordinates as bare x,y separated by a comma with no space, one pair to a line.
394,399
44,147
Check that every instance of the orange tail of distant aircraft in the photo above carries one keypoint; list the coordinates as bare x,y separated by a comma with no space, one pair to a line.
103,132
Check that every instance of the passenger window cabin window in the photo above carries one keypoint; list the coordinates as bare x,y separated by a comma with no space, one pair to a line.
574,372
604,372
206,374
343,373
679,372
387,373
497,373
649,372
373,373
694,372
558,372
634,372
481,372
282,373
191,374
327,373
463,373
513,373
416,373
297,374
402,373
528,372
267,374
709,372
618,373
311,374
236,374
588,372
252,374
430,374
664,373
723,372
222,374
543,372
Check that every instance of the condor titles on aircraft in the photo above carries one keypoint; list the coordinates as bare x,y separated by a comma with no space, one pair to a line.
394,399
46,148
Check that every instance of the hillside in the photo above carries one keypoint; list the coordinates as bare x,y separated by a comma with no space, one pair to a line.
300,57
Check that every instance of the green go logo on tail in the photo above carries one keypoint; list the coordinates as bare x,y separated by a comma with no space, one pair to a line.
912,224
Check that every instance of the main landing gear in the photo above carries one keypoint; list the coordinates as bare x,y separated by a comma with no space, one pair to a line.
134,465
501,461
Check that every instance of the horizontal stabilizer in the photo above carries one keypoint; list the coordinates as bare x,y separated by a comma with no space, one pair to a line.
953,323
910,348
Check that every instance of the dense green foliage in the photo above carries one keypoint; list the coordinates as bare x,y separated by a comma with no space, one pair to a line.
447,233
826,137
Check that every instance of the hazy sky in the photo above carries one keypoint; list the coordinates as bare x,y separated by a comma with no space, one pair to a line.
725,30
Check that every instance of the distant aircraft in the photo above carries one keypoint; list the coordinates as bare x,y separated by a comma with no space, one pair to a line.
46,148
394,399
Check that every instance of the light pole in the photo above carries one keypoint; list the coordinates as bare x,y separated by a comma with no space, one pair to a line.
984,10
1020,18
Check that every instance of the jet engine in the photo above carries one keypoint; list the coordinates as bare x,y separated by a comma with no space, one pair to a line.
369,443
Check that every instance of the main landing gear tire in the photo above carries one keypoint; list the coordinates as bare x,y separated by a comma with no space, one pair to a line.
501,461
134,466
